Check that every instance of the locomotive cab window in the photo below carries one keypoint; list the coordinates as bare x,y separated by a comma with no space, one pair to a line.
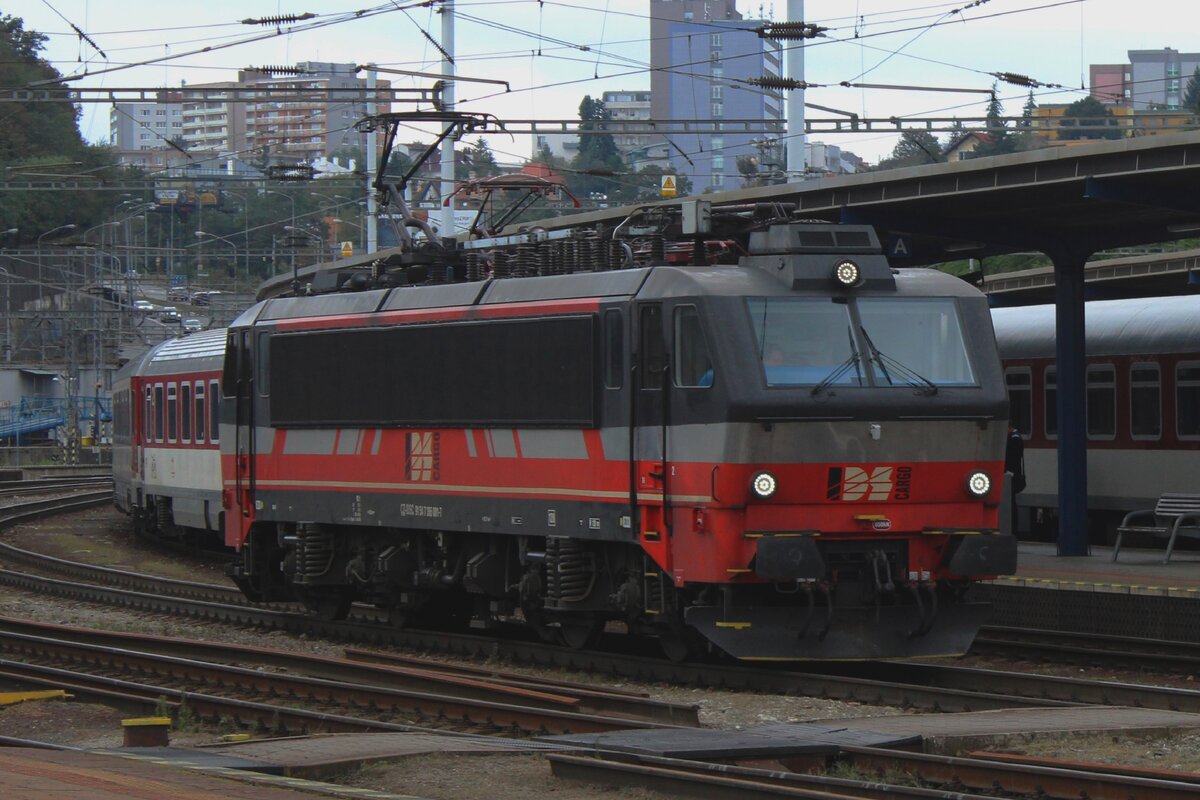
1019,381
614,350
1101,402
653,349
1145,401
1187,400
692,364
911,339
804,340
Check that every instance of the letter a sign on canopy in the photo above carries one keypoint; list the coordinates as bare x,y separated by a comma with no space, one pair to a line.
668,185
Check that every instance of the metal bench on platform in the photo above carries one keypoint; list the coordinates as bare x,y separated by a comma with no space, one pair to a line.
1173,515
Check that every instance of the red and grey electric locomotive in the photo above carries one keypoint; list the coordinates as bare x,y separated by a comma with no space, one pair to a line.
795,456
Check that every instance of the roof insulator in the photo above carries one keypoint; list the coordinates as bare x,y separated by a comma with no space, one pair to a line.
789,30
281,19
776,82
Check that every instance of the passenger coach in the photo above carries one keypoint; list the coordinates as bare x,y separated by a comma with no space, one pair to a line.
1143,402
166,433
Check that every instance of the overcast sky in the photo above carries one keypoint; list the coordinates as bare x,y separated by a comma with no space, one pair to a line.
537,47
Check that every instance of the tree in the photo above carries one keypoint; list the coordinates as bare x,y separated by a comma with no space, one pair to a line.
598,162
31,130
44,137
915,147
1087,118
1000,141
480,159
1191,94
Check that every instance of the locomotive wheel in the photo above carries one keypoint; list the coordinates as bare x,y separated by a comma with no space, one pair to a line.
680,644
329,606
580,634
398,617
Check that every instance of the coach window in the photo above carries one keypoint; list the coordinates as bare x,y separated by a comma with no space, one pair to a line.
200,412
1101,402
1145,401
1187,400
185,413
692,365
160,409
172,413
148,417
214,412
1051,405
1020,399
614,350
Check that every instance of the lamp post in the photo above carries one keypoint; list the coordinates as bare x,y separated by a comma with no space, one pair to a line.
245,229
292,200
201,235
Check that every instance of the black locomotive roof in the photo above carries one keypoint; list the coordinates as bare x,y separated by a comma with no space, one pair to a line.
643,283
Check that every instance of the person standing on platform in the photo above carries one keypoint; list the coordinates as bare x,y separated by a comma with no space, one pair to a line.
1014,465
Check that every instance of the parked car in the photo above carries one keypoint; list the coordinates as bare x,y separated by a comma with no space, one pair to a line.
192,325
180,293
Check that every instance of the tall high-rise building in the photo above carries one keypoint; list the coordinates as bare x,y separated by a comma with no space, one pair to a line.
700,51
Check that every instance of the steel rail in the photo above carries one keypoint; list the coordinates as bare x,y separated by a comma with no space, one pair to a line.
541,714
1090,647
1060,782
382,671
832,686
674,777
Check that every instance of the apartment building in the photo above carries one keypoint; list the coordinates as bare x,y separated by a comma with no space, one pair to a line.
699,51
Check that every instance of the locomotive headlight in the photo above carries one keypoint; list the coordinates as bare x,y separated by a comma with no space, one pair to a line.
847,273
979,484
764,484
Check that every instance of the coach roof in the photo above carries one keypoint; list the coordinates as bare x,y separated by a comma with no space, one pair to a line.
1136,326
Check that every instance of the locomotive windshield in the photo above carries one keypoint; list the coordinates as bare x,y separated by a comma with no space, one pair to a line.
805,341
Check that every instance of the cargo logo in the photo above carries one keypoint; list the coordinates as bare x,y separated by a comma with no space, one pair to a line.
423,455
873,484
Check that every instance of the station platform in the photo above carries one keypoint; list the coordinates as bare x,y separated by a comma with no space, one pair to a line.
1136,570
1137,595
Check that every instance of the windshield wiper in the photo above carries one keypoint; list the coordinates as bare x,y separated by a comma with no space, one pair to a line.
909,376
842,368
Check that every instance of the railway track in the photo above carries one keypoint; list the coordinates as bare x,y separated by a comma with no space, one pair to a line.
931,776
358,695
1156,655
46,485
924,686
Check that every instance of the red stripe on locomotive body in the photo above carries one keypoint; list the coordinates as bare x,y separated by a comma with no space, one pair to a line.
587,305
710,536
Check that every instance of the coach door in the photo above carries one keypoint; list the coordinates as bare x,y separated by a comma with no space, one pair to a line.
238,402
652,419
